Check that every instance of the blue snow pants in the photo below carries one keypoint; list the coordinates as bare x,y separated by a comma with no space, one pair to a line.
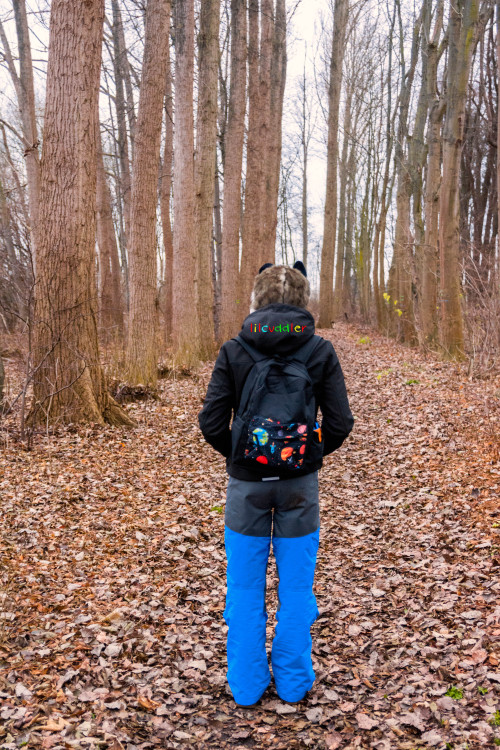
286,512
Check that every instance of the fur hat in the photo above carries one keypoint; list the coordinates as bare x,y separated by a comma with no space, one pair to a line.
280,284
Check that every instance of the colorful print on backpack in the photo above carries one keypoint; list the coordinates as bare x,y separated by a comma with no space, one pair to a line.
273,443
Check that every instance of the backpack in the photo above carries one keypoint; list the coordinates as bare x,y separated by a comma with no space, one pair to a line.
274,429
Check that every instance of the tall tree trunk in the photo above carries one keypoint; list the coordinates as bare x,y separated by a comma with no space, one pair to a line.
258,146
251,256
402,291
110,298
327,309
6,235
417,154
120,46
344,198
15,176
435,106
186,334
463,18
347,299
206,145
496,265
12,304
231,314
143,344
25,93
305,161
380,229
277,92
165,202
217,251
69,383
120,65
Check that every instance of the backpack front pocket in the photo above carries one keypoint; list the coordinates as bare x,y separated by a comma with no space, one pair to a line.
275,443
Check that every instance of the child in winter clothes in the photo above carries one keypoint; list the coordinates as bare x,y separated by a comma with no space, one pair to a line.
270,499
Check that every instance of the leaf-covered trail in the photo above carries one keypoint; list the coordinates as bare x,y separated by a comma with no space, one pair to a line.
112,577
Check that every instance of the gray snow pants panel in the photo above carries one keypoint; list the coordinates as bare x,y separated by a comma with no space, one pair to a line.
295,502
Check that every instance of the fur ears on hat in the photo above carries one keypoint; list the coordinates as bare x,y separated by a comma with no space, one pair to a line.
298,265
266,265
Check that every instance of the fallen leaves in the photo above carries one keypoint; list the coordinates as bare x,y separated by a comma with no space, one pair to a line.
333,740
54,725
113,577
147,703
365,722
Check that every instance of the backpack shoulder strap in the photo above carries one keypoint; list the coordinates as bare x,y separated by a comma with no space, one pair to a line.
251,350
304,353
260,362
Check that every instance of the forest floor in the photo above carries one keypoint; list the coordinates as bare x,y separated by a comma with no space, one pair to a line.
113,575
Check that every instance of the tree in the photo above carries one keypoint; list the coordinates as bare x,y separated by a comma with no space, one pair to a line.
273,164
122,84
24,87
496,270
185,325
305,140
260,24
143,344
69,383
435,107
233,158
165,202
206,144
326,297
403,281
110,297
462,22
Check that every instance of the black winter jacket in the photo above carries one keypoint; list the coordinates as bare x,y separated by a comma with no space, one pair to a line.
234,363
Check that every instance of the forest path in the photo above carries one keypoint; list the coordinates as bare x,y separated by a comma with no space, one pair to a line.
113,575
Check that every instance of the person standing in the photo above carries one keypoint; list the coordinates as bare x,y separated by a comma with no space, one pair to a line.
271,380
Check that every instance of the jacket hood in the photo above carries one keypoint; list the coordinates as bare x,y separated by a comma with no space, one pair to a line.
278,328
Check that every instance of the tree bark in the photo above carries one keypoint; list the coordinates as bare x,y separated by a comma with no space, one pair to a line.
186,334
143,344
265,136
417,154
251,258
25,93
402,290
165,202
327,309
277,91
350,227
124,65
206,145
305,161
110,297
496,265
217,252
463,18
2,379
120,64
380,229
231,309
69,384
344,177
428,319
